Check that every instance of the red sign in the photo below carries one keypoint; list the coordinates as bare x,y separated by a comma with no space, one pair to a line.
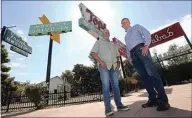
95,21
121,47
166,34
90,17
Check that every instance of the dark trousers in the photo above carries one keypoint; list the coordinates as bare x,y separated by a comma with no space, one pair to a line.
148,72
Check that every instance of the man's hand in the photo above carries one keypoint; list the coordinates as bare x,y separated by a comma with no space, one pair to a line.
145,50
103,64
118,65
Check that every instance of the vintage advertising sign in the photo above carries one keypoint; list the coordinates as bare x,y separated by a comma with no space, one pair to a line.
89,28
91,19
15,40
121,47
166,34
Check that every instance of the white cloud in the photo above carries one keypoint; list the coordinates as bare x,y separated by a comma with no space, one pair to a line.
22,34
11,52
16,65
21,59
186,25
22,74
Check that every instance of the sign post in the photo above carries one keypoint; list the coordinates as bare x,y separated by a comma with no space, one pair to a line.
122,50
52,29
187,39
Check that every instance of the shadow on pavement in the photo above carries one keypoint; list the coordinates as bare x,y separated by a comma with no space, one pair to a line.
137,111
167,90
16,114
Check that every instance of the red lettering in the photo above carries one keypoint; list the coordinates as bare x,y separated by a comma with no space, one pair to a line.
91,15
95,21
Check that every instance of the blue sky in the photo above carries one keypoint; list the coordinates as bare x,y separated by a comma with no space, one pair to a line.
76,45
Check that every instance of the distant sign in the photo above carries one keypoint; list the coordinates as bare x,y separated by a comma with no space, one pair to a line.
17,50
46,29
15,40
166,34
121,47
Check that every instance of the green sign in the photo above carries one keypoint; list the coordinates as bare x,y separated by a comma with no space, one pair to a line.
15,49
45,29
15,40
89,27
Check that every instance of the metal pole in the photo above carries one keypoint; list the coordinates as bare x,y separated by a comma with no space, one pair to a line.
2,33
124,75
161,68
187,39
49,67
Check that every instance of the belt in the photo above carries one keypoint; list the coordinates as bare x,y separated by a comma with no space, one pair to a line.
137,46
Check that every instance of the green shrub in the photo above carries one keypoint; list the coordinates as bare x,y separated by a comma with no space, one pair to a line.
175,74
35,93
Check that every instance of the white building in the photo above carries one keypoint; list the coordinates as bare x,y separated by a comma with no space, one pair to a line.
57,86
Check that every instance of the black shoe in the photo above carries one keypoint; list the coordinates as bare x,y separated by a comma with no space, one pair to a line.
123,108
109,112
163,107
150,104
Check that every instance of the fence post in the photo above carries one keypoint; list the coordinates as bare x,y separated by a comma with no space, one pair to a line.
9,100
100,91
65,95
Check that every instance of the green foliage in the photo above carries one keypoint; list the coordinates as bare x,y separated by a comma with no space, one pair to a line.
176,73
7,83
67,76
36,95
123,86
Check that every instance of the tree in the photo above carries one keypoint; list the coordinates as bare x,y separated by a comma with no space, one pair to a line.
7,83
173,50
129,69
67,76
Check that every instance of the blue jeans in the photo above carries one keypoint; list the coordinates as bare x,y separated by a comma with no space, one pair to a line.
107,77
148,73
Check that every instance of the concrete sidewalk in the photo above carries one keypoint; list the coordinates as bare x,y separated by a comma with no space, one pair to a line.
179,98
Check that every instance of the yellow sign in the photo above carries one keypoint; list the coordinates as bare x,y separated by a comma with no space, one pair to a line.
54,36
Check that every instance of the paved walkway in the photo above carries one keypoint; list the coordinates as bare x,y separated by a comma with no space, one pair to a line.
179,97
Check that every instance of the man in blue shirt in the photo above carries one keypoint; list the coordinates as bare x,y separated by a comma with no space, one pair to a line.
137,41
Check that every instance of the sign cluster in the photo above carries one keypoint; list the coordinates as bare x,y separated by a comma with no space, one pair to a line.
18,45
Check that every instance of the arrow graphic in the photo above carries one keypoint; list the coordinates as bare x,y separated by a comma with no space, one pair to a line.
54,36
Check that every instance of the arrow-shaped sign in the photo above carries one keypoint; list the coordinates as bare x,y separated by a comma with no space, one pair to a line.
54,36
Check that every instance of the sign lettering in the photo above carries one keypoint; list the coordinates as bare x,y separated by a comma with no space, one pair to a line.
91,19
19,51
45,29
15,40
121,47
166,34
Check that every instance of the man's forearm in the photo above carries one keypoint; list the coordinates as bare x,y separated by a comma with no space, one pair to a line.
96,57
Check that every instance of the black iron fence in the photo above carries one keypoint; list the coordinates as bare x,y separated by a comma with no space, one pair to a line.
18,101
